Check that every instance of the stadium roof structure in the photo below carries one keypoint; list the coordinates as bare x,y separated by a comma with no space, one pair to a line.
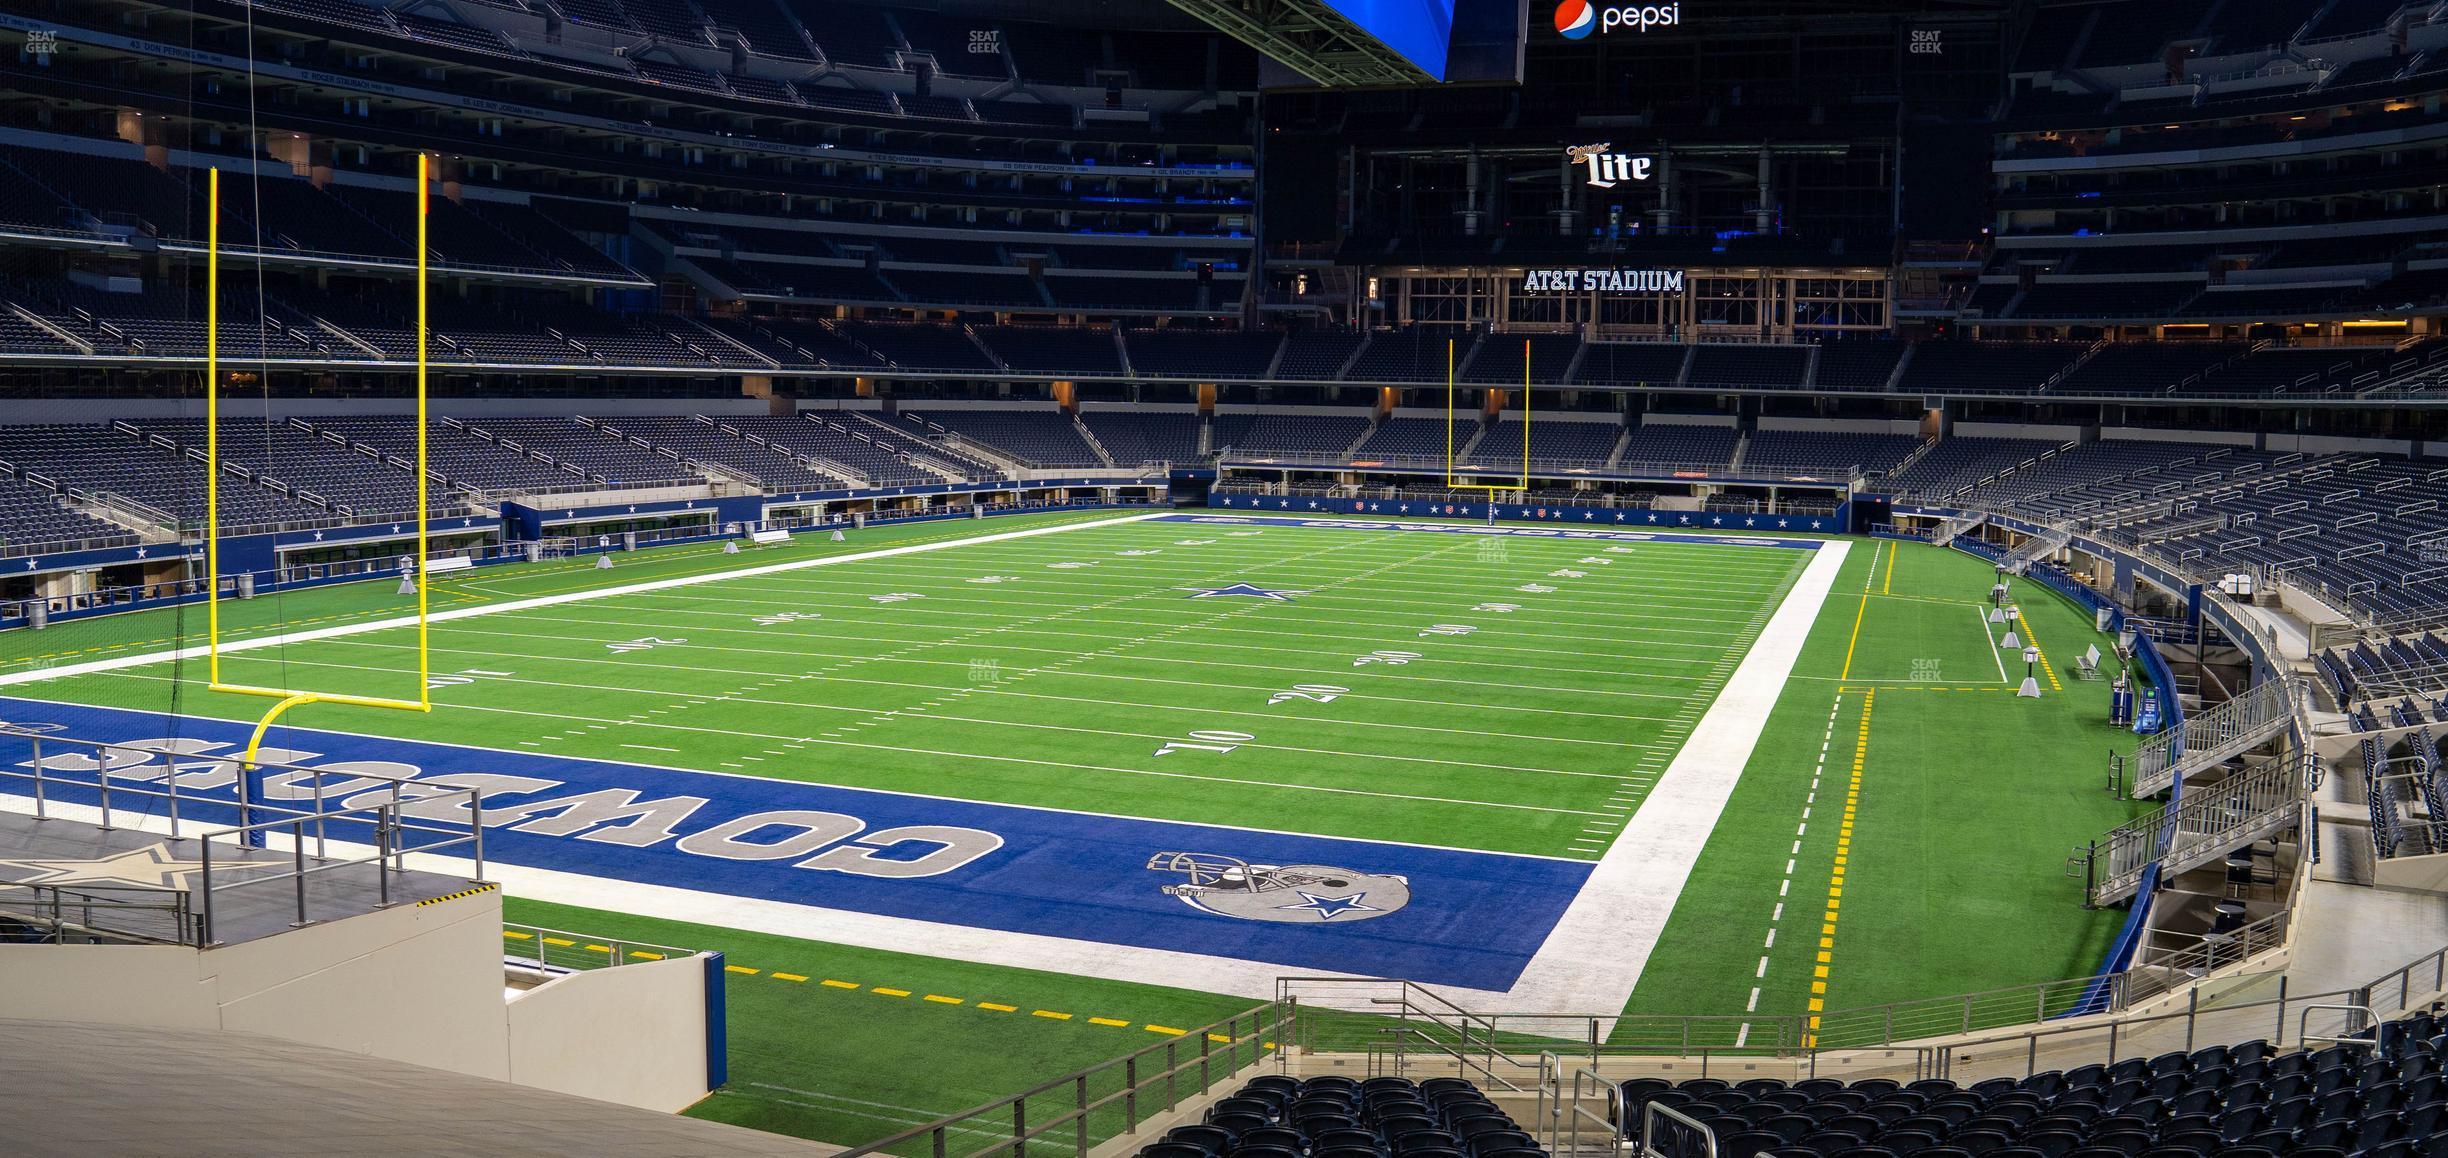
1312,38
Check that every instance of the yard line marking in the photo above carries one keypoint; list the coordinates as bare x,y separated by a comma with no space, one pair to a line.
1991,636
1836,874
244,645
1595,955
1855,638
738,733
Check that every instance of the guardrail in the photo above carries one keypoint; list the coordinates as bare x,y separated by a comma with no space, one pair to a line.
56,915
2205,822
199,794
2206,738
1074,1113
561,951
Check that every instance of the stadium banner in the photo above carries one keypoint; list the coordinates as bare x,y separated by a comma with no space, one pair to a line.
1535,512
1368,908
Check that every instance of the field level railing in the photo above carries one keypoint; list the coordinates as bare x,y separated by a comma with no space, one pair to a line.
2206,738
1079,1111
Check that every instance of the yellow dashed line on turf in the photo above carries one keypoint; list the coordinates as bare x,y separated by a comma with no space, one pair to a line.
886,991
2046,668
1836,874
1858,612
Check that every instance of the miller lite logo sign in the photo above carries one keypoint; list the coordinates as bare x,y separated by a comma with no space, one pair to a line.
1605,168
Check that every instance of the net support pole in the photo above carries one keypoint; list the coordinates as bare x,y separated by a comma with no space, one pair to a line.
212,424
424,506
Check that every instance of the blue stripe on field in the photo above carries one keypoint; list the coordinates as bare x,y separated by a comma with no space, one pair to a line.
1474,919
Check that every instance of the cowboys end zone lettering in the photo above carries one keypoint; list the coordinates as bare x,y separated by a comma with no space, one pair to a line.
1440,916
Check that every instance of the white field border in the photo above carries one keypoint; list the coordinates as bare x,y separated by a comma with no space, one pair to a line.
116,663
1588,965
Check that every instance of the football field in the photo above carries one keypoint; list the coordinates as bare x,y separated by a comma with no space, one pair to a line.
999,782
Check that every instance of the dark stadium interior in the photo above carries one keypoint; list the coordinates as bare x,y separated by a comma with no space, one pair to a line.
2167,276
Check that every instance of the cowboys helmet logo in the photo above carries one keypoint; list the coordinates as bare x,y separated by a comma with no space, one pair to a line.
1230,887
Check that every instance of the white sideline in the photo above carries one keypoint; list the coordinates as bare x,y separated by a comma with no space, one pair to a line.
1598,949
38,675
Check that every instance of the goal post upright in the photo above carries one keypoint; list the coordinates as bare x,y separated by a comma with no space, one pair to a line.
1452,481
291,697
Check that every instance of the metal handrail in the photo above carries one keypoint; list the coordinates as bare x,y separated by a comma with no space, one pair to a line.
597,952
1257,1030
52,905
323,793
2303,1022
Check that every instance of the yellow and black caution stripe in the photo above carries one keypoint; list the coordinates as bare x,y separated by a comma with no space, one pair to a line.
484,888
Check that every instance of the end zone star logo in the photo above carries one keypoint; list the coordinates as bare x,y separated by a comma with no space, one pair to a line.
1254,592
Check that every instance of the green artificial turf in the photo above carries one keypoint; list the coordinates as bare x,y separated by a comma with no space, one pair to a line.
1056,670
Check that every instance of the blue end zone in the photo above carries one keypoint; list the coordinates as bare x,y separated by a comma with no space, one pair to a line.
1454,918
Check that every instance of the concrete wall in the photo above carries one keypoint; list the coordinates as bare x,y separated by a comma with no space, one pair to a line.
634,1035
418,984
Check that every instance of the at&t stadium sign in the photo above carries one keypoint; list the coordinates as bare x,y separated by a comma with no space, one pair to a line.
1608,281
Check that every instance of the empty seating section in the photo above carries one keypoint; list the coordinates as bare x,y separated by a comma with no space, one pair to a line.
1206,356
1306,433
353,483
33,516
1631,364
166,482
1419,437
1858,363
2148,368
1499,359
1419,354
1046,437
848,440
2379,1096
1138,436
1676,447
1316,355
271,208
918,346
1055,350
2105,472
1956,463
1340,1117
1749,366
724,444
605,456
1986,367
1826,452
465,459
1558,441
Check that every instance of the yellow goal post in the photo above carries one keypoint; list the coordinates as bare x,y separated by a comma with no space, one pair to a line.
293,697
